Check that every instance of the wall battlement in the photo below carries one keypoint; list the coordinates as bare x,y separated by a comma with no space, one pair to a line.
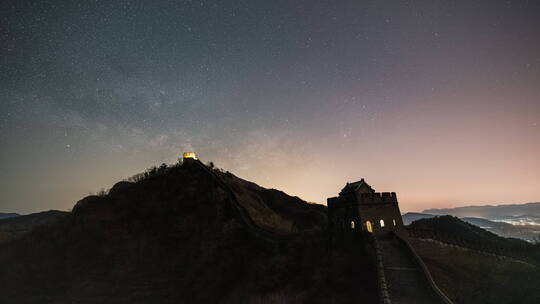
377,198
363,199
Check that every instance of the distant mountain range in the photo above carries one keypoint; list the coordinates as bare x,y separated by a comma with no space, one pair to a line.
410,217
7,215
18,225
514,214
514,221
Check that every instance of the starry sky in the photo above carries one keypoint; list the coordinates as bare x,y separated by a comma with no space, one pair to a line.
436,100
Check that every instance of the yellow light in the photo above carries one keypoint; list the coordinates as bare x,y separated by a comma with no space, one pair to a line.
369,226
189,155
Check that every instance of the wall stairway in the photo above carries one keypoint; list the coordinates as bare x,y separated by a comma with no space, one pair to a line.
406,278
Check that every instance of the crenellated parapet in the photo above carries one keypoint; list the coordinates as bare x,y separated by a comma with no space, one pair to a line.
377,198
362,199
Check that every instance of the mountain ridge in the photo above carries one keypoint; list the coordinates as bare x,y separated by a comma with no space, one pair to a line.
531,206
172,235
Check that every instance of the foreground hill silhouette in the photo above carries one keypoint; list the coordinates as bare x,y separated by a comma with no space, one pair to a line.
173,235
195,234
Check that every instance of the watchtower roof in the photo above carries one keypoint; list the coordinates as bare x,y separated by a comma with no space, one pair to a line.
356,186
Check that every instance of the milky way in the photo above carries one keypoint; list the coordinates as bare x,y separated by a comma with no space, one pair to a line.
436,100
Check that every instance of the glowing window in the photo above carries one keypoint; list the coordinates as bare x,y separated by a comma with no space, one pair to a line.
394,221
382,223
352,224
369,226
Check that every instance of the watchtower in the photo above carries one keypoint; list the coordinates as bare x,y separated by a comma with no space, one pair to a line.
189,157
359,208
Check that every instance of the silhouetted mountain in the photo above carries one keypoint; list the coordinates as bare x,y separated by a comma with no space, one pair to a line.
453,228
7,215
526,232
516,213
19,225
177,235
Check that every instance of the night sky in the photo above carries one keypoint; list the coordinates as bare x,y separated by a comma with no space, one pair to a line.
436,100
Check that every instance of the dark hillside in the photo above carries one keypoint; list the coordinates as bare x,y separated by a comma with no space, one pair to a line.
476,266
291,214
171,235
476,277
452,230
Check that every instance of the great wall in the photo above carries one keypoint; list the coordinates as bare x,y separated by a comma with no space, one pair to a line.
402,276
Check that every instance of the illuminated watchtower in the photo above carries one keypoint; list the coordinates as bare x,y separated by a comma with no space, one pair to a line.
189,157
358,207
